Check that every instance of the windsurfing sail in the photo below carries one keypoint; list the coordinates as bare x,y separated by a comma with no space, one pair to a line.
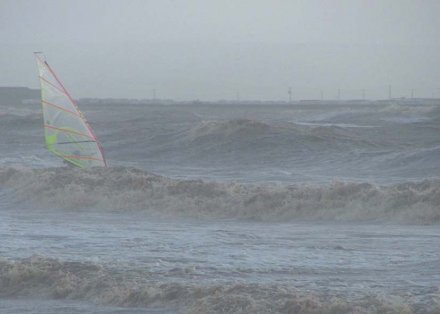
67,132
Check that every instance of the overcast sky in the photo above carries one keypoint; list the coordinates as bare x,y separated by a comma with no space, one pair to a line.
212,50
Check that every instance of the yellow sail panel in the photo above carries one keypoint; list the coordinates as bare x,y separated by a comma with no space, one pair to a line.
67,132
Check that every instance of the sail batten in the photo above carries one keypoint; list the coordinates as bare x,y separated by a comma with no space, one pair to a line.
67,132
46,81
61,108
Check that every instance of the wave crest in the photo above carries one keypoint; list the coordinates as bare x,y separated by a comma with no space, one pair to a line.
46,277
122,188
229,128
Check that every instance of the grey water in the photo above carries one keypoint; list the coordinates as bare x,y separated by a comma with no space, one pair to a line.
269,208
29,305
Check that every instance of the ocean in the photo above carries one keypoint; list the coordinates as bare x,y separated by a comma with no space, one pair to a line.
309,207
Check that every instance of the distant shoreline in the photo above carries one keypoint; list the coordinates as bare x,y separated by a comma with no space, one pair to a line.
15,95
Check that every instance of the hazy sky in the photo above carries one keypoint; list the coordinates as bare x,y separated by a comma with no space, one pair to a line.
215,49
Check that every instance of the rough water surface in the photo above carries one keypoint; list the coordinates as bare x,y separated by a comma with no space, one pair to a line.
205,208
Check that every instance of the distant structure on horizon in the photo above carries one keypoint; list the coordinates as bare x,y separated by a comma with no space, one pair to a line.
18,95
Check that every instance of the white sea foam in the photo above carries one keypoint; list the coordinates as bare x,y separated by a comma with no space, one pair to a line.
121,188
39,276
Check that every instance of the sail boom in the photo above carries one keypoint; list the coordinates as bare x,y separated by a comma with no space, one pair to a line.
62,143
82,157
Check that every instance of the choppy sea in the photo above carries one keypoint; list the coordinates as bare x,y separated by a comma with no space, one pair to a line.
225,208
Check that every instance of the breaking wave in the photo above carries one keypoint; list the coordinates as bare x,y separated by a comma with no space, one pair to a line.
123,188
245,141
39,276
242,129
229,128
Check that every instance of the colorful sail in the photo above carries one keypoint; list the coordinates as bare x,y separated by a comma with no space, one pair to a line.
67,132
